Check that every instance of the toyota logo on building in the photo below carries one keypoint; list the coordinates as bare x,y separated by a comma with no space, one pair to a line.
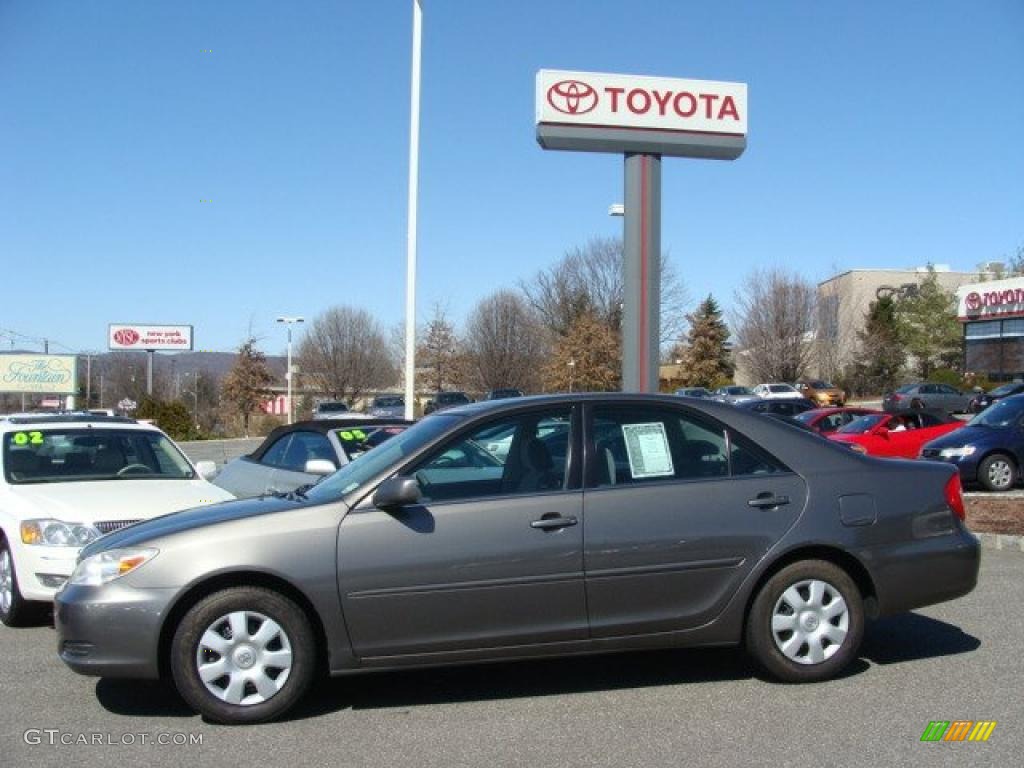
572,97
126,336
973,301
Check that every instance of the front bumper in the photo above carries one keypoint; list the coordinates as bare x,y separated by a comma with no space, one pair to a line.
966,465
43,570
111,631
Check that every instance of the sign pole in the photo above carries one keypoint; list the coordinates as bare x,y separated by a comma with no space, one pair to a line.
414,165
149,372
641,332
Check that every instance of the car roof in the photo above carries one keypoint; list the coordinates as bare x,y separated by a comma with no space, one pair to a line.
19,421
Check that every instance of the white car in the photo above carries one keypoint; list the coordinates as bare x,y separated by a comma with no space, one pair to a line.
67,480
777,392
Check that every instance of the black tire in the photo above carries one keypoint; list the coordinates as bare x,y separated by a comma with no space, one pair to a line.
205,614
761,639
20,612
917,405
997,473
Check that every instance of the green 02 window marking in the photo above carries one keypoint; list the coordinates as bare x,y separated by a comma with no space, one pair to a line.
28,438
352,434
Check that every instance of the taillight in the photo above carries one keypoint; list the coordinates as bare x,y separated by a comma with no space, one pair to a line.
955,496
895,398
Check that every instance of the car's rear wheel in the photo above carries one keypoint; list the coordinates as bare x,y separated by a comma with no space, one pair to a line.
243,655
917,405
997,472
806,623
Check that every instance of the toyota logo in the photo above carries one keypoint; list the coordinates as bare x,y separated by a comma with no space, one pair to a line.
572,97
126,336
973,301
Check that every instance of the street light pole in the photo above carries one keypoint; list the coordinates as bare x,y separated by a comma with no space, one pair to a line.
414,163
289,322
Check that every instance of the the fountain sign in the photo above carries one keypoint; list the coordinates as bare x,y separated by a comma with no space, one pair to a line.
49,374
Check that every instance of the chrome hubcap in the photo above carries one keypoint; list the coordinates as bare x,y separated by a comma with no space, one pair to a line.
999,473
810,622
244,658
6,582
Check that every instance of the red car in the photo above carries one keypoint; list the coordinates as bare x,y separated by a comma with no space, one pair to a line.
898,436
827,420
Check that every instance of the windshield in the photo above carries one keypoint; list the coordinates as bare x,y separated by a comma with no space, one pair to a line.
387,402
738,391
862,424
806,417
818,384
77,455
779,388
1006,389
353,476
1003,414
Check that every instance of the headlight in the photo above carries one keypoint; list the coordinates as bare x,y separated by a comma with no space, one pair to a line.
957,453
857,448
112,564
57,533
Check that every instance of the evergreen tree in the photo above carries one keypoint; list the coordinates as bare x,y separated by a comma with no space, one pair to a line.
245,387
928,326
882,356
706,359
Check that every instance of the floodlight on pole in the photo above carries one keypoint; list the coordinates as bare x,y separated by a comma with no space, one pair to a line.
289,322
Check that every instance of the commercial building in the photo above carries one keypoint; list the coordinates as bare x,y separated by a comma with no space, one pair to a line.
993,316
844,300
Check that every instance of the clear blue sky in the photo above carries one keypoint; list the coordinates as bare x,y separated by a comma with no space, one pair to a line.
882,134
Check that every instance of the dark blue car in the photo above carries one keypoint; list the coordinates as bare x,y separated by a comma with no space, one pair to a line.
989,450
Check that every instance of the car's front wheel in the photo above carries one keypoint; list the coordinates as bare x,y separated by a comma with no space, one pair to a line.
243,655
997,472
15,610
806,623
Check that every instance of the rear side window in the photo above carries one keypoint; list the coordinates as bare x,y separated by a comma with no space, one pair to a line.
638,444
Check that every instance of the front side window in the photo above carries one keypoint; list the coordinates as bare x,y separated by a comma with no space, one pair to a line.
78,455
521,454
638,444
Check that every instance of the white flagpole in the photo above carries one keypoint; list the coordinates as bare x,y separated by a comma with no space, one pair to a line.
414,162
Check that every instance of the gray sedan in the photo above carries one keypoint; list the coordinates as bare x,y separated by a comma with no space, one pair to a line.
610,523
927,395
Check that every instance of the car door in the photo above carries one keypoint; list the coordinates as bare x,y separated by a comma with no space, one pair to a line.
677,511
491,556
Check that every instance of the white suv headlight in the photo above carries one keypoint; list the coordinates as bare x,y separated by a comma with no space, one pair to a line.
957,453
112,564
57,533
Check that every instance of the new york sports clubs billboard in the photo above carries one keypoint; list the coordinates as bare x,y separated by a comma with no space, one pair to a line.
150,337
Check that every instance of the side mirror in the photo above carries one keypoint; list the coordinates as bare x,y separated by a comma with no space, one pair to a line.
320,467
397,492
206,469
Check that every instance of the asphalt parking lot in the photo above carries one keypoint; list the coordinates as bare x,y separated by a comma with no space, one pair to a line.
956,661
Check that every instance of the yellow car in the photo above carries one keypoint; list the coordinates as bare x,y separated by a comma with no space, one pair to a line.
821,393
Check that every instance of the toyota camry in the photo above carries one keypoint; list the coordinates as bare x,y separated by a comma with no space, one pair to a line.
605,522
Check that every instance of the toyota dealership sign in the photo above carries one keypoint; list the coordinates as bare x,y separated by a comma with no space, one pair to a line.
615,113
150,337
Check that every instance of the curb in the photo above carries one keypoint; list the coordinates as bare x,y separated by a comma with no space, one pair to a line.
1001,541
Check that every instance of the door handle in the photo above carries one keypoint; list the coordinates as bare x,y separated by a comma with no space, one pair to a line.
553,523
768,501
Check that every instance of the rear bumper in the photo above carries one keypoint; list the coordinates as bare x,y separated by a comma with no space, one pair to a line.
111,631
926,571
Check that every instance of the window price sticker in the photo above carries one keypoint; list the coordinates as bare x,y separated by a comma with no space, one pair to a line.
647,447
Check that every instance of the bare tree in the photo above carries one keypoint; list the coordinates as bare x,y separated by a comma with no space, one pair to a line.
774,322
346,354
589,279
504,343
439,351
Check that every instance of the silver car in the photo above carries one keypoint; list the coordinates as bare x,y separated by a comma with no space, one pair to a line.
612,522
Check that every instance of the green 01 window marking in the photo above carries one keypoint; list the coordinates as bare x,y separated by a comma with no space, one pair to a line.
28,438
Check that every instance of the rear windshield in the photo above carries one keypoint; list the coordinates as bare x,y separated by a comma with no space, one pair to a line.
387,402
331,408
779,388
452,397
76,455
907,389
